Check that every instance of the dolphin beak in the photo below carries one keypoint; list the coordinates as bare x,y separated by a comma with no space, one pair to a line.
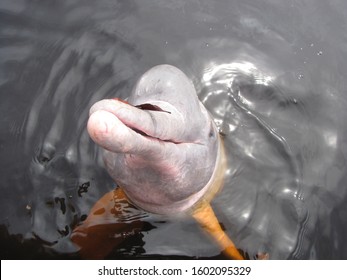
123,128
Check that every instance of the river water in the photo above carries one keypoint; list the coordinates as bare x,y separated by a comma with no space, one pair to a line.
272,74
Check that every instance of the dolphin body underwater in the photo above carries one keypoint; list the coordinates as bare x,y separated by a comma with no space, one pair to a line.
163,150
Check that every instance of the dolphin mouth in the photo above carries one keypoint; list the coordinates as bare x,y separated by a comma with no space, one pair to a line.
135,128
149,137
151,107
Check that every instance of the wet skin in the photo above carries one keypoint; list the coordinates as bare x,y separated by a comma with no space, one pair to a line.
152,153
163,149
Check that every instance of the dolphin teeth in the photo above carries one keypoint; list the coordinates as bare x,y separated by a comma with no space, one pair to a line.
151,107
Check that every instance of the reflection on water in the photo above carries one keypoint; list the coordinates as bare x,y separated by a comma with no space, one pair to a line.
271,74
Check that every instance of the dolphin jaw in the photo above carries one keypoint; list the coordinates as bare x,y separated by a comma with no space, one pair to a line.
194,201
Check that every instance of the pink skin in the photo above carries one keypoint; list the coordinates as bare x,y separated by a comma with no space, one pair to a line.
164,159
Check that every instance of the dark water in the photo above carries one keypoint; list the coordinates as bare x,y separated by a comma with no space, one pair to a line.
272,73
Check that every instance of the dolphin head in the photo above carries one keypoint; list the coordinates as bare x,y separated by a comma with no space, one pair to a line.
161,145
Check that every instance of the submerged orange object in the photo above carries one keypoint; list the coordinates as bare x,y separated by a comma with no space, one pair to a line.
106,227
101,232
209,223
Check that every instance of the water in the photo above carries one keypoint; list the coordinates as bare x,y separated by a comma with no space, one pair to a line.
272,73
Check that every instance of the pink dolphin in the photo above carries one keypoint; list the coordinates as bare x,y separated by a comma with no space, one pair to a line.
163,149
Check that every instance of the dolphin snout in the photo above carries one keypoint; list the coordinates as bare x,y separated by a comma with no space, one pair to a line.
123,128
110,133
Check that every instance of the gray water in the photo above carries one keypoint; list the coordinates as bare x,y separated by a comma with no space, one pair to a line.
272,74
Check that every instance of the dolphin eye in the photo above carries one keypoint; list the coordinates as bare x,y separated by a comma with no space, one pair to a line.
211,133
